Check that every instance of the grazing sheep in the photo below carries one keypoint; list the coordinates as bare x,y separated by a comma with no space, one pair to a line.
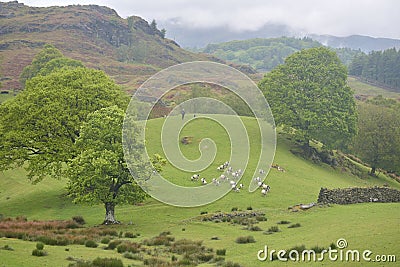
264,192
203,181
240,186
260,183
230,169
232,182
261,171
222,177
195,177
257,179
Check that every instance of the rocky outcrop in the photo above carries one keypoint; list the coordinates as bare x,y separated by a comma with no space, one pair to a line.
358,195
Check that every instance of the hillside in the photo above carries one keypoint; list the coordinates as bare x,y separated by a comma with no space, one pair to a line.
265,54
364,43
129,49
370,226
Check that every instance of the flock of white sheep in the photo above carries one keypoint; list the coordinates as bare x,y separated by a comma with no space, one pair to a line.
232,177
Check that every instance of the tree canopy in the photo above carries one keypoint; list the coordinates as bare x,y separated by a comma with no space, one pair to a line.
99,174
309,93
378,139
40,125
46,61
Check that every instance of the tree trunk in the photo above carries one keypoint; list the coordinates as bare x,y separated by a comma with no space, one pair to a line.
109,218
373,171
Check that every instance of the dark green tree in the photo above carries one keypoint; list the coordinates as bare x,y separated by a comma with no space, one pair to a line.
309,96
99,174
378,139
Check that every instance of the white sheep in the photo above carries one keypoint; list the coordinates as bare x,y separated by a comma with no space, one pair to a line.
195,177
261,171
264,192
203,181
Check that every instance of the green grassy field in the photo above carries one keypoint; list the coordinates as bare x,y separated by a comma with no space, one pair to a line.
372,226
361,88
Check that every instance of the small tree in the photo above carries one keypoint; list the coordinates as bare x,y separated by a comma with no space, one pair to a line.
378,138
99,174
153,25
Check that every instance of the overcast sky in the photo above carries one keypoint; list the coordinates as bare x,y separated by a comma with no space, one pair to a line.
378,18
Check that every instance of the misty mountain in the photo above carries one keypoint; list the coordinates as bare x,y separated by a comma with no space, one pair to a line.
364,43
192,37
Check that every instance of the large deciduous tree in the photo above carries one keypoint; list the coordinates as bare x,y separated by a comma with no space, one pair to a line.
378,139
99,174
39,127
309,94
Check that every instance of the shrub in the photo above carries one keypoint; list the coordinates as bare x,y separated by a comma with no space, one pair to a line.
249,208
283,222
105,240
39,245
273,229
72,225
221,252
261,218
133,256
298,248
254,228
130,235
333,246
38,253
203,212
154,262
128,246
296,225
79,220
174,258
109,232
107,262
204,257
317,249
162,239
245,239
7,247
113,244
187,246
91,244
234,209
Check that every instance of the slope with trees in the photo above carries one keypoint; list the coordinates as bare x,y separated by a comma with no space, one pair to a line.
380,67
265,54
309,96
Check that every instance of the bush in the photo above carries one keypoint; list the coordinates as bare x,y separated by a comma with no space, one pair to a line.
234,209
79,220
296,225
7,247
39,253
273,229
283,222
249,208
107,262
260,218
317,249
221,252
254,228
245,239
128,246
204,257
298,248
133,256
333,246
39,245
154,262
105,240
91,244
113,244
185,246
129,235
203,212
174,258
